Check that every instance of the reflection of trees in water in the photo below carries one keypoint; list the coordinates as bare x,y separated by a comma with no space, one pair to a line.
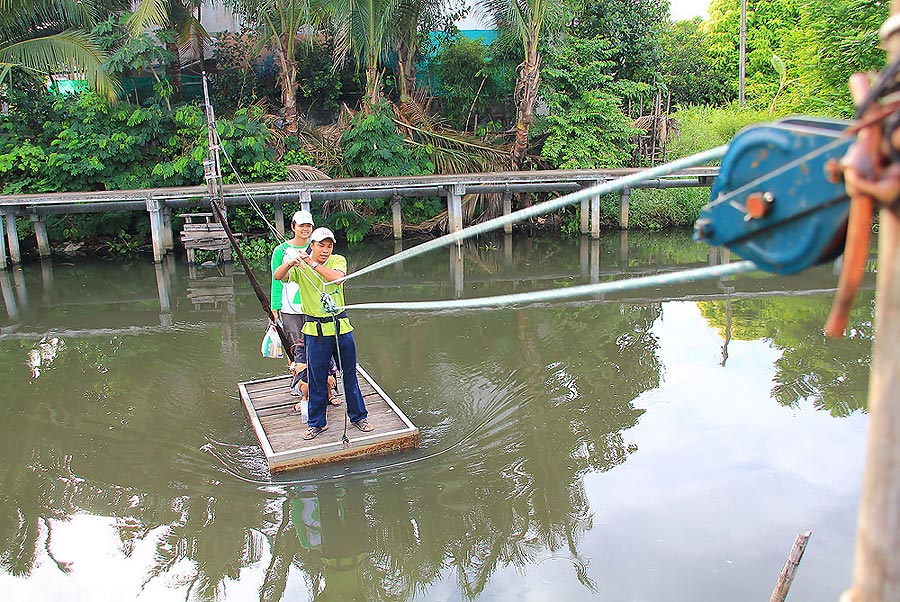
833,373
553,398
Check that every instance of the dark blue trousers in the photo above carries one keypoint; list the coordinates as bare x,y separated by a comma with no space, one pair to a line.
319,351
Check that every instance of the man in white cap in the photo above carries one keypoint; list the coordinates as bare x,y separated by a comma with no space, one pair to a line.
327,335
286,297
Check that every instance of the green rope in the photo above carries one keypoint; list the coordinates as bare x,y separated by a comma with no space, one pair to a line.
586,290
547,207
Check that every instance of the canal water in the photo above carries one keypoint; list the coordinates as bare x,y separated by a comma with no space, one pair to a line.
663,444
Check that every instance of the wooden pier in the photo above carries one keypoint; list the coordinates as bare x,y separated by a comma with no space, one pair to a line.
270,408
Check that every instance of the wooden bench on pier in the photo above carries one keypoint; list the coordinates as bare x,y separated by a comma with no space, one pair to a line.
200,232
270,408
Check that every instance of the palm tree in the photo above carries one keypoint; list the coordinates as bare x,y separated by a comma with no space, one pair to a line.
528,20
281,24
47,37
366,29
179,17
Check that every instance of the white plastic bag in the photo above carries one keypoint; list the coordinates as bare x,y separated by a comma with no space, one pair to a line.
271,344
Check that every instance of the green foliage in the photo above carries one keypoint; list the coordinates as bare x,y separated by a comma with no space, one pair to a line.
354,225
687,66
468,82
373,147
821,43
239,81
255,249
124,244
586,127
88,145
632,28
703,128
243,141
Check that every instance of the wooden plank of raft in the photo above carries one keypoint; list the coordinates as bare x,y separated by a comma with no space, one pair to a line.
270,408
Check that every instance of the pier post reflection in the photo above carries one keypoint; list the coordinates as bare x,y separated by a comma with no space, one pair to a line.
21,290
595,260
164,290
584,255
47,279
9,296
398,247
457,271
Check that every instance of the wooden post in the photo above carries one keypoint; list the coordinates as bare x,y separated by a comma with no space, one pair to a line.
876,570
9,296
168,237
3,262
12,235
40,233
595,215
779,594
305,199
279,217
584,258
156,229
397,217
624,202
507,209
455,193
585,216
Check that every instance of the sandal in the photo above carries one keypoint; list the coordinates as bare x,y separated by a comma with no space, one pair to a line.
334,399
313,432
363,425
298,407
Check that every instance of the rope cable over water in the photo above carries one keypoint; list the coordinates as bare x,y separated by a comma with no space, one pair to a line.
546,207
586,290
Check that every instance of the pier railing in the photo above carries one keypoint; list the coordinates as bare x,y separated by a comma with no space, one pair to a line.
159,202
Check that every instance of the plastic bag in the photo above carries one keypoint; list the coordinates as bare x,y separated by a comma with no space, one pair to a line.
271,344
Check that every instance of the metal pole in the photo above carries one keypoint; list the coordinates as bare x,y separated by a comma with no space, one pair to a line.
212,166
743,53
876,571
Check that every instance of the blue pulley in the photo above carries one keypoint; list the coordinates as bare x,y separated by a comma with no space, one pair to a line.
773,202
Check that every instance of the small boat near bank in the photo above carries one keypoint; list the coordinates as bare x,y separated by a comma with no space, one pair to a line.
270,409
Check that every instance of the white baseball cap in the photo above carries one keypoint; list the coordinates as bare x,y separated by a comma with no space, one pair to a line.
303,217
320,234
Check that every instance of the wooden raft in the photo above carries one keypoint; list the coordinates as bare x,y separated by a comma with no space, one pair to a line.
270,408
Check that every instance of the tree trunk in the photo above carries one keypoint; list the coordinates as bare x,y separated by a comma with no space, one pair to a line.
287,79
173,71
406,69
373,83
526,97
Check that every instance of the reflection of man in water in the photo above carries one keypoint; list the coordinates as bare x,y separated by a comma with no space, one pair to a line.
335,523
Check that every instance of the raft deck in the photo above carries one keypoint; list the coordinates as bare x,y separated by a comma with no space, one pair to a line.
270,408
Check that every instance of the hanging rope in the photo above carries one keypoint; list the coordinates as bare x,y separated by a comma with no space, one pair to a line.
543,208
587,290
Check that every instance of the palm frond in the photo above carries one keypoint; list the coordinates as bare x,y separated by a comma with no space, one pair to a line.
149,13
72,52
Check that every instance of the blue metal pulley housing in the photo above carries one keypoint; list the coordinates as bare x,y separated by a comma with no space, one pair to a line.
772,202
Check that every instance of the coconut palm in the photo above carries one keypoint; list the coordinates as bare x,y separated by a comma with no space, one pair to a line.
365,29
528,20
179,17
50,37
282,24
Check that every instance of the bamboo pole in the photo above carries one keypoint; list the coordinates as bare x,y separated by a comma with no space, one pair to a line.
779,594
876,571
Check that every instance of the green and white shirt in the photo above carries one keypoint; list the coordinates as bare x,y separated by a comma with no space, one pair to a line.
285,296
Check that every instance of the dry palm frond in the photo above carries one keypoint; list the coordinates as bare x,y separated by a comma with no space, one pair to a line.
661,126
304,173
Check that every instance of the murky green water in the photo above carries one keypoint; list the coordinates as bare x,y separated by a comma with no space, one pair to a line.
662,445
